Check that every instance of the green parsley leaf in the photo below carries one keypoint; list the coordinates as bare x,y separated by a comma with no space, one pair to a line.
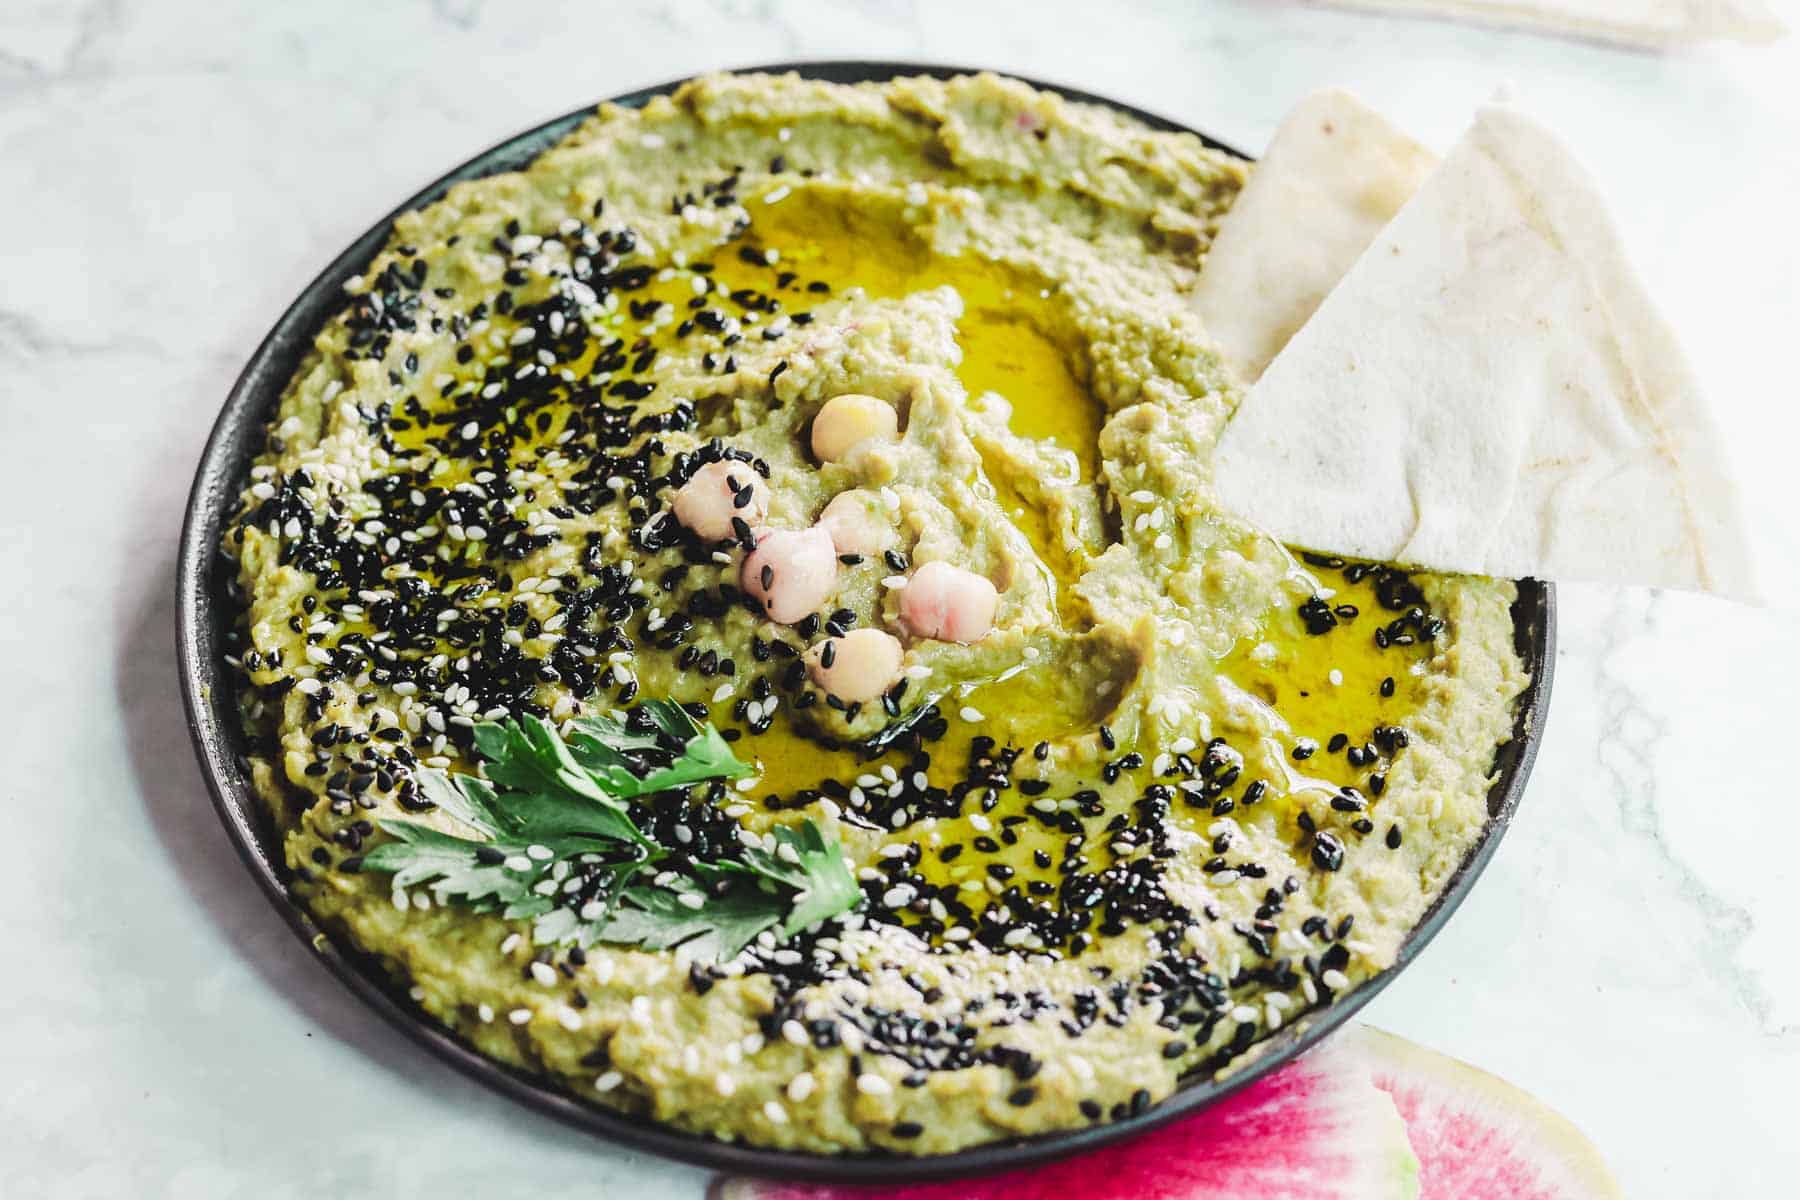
808,865
528,756
712,927
555,841
468,798
451,865
600,744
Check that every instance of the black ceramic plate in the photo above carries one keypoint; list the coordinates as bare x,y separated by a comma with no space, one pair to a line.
207,689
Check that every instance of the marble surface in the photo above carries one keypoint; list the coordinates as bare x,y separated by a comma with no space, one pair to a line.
172,173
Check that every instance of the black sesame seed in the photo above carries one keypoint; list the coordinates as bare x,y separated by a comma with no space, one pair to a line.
1317,616
1327,852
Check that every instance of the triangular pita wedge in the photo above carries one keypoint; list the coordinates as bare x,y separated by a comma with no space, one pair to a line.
1489,390
1650,24
1335,172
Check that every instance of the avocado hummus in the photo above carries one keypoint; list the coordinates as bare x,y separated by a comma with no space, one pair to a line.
1125,785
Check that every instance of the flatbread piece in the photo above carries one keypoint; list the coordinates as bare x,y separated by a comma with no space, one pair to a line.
1335,172
1645,24
1489,390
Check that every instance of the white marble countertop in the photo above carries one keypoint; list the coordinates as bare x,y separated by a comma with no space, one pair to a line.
172,173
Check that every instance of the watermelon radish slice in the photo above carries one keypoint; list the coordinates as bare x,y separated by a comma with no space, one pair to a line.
1315,1130
1477,1136
1366,1115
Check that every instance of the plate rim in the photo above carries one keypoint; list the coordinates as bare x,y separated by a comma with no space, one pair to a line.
207,687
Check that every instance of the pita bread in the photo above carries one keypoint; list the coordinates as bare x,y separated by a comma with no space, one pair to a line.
1337,170
1489,390
1649,24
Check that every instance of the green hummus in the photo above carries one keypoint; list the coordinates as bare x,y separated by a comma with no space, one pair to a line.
1187,789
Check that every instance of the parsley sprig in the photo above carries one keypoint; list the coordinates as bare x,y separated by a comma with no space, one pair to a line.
550,837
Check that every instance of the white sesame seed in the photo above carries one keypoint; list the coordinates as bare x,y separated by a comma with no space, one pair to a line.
608,1081
1335,980
519,1016
800,1087
971,714
870,1084
544,973
776,1114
